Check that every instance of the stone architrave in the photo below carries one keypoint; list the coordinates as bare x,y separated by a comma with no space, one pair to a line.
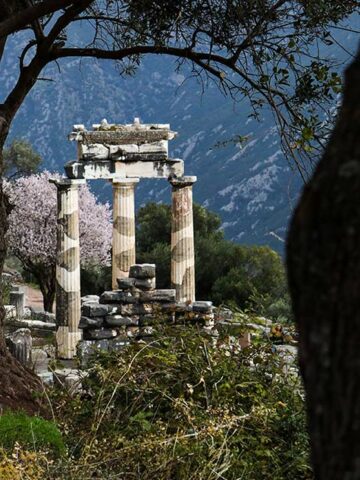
68,268
123,246
182,239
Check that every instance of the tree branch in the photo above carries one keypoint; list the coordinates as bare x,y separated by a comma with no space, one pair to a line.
31,14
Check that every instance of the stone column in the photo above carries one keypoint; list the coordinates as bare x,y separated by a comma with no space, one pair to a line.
182,239
123,245
68,268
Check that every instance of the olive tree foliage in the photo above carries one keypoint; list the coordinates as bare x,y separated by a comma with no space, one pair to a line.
32,229
20,159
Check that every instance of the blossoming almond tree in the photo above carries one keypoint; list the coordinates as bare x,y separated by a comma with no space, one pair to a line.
32,229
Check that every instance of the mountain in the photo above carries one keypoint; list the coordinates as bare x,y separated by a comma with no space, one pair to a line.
252,186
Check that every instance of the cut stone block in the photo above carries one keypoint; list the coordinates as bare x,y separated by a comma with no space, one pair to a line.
136,309
87,322
100,334
202,306
117,296
90,298
145,283
97,310
120,321
123,135
109,169
160,295
125,283
140,271
178,307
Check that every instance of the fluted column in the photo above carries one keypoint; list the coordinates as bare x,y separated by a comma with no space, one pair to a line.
123,246
67,268
182,239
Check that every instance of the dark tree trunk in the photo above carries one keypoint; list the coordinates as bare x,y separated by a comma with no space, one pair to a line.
49,298
323,259
17,383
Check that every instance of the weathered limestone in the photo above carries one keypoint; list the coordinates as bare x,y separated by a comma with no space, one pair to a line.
20,345
68,268
109,169
123,247
182,239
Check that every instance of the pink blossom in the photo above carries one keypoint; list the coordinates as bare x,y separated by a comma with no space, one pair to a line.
32,223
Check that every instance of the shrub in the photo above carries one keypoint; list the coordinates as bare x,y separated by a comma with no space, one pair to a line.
34,433
184,407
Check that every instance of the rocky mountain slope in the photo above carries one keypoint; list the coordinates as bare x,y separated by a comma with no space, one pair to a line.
252,186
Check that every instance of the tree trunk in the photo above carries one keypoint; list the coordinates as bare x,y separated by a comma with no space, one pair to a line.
323,259
48,292
17,383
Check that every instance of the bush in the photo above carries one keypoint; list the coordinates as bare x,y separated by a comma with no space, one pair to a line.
183,407
34,433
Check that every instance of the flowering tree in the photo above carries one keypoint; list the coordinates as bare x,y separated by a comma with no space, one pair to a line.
32,229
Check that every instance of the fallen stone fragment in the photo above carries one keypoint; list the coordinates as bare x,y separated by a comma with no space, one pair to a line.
87,348
20,344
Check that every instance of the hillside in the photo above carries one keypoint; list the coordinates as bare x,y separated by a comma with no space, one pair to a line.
252,186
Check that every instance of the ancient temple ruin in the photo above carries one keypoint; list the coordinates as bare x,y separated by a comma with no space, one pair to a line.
123,155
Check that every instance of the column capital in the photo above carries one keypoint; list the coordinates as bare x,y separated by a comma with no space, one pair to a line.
123,181
181,182
67,182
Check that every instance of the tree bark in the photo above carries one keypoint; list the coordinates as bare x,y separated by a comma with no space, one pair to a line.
17,383
48,290
323,260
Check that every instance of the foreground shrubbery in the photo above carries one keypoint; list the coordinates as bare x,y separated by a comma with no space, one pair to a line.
182,408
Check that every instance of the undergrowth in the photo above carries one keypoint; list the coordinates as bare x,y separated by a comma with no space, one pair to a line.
185,407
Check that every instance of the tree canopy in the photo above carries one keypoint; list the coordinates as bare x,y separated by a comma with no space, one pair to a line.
266,50
20,159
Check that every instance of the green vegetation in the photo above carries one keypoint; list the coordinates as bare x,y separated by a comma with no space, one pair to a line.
34,433
185,407
20,159
5,287
246,277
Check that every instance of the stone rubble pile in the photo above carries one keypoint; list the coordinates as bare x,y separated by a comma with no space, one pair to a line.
131,313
